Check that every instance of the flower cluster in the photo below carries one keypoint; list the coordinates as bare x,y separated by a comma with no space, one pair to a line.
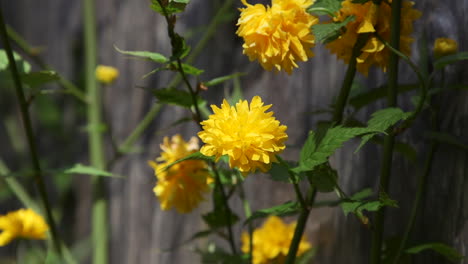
372,18
279,35
271,241
183,184
249,136
444,47
23,223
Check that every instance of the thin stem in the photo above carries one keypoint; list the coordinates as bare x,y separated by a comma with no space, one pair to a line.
300,227
29,133
389,141
33,53
348,80
96,147
220,187
248,213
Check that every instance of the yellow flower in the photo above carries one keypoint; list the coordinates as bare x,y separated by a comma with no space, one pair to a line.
106,74
23,223
182,185
271,242
371,18
249,136
279,35
444,47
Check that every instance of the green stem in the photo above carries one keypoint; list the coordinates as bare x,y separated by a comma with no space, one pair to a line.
300,227
248,213
220,187
29,134
33,53
414,210
348,80
96,147
389,140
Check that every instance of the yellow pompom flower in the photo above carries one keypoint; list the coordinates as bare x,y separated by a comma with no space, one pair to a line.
277,36
106,74
249,136
372,18
23,223
271,241
444,47
181,186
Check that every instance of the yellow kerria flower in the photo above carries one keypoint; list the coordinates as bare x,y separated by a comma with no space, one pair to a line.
279,35
371,18
182,185
271,241
249,136
106,74
444,47
23,223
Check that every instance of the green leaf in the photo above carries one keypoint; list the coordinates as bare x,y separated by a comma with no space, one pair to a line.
218,218
325,7
323,177
222,79
286,209
449,59
236,94
307,256
356,204
382,120
175,97
325,33
217,255
22,65
446,251
89,170
179,47
446,138
189,69
34,79
154,56
279,172
173,6
364,98
334,138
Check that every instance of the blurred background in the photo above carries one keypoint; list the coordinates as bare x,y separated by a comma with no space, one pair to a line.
139,231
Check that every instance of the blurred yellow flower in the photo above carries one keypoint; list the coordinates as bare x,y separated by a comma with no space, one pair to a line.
277,36
372,18
182,185
271,241
106,74
23,223
444,47
249,136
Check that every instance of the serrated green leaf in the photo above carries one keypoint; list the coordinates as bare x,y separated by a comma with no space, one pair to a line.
194,156
154,56
325,7
323,177
222,79
356,204
450,59
180,49
325,33
382,120
366,97
446,251
446,138
286,209
365,193
34,79
172,7
89,170
334,138
175,97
